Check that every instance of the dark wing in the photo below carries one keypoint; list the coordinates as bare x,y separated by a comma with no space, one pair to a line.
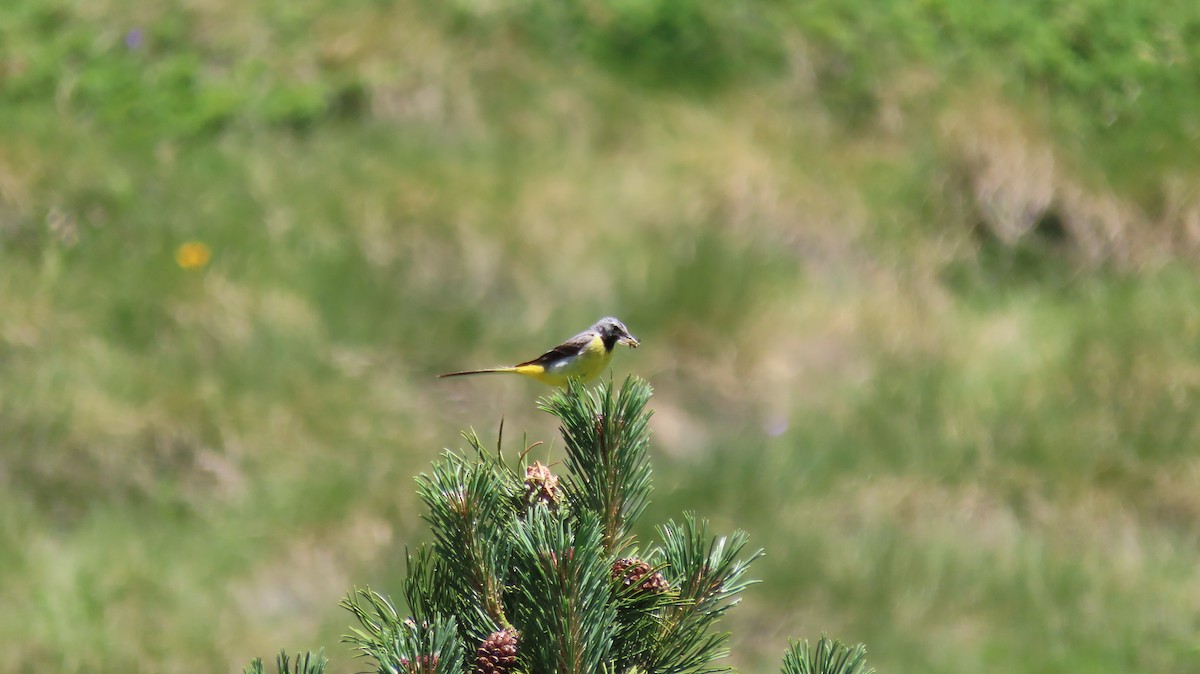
572,347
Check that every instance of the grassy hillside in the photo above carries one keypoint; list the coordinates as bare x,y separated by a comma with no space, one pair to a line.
916,284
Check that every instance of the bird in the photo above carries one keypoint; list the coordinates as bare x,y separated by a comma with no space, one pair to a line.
581,357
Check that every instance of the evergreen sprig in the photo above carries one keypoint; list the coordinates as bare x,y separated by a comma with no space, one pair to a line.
709,573
470,511
305,663
562,593
709,569
606,436
403,645
428,595
828,657
639,616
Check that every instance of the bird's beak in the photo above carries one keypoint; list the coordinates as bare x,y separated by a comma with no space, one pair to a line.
628,340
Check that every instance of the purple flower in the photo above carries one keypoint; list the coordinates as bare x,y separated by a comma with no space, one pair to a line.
133,39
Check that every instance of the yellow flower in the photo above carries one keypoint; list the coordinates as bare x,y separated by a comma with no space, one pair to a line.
192,255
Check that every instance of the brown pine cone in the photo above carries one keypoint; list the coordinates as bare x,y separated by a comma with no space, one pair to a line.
541,486
631,570
498,653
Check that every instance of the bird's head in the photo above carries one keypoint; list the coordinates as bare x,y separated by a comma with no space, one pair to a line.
613,331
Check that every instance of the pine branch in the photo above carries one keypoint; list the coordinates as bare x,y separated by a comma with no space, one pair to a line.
562,594
709,577
427,593
403,645
471,506
641,596
306,663
709,571
606,435
828,657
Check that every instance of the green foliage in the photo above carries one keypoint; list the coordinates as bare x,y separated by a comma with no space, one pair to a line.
669,42
471,507
562,594
305,663
664,43
1115,71
500,560
827,657
403,644
428,595
606,441
709,573
642,630
152,75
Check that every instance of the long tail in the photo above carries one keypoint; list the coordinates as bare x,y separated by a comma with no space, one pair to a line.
491,370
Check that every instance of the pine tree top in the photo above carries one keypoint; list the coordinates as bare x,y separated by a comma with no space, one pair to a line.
529,570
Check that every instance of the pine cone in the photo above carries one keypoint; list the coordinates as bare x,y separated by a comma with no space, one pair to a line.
631,570
498,653
541,486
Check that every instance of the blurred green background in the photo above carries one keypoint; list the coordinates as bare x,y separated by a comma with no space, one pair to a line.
916,283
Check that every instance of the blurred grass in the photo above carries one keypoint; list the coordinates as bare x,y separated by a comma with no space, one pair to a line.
915,285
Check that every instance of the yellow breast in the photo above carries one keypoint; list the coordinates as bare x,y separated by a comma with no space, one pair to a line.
584,366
